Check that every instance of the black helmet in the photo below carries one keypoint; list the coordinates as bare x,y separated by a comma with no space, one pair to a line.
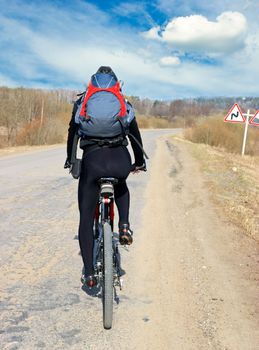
106,70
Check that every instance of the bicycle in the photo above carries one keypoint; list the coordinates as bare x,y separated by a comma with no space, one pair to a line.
106,255
106,252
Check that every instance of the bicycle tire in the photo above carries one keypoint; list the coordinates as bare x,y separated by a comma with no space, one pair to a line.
107,293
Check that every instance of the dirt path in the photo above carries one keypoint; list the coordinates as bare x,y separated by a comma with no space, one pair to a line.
191,280
196,273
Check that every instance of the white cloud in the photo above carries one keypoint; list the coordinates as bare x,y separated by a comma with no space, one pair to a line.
169,61
152,33
196,33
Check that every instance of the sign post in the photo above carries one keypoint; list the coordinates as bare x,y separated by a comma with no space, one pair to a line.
235,115
245,133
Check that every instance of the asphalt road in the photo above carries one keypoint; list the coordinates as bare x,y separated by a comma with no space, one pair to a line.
42,303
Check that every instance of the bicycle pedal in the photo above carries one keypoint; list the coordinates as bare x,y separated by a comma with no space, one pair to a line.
120,283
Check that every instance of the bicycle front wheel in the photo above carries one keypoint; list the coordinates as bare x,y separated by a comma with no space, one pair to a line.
107,292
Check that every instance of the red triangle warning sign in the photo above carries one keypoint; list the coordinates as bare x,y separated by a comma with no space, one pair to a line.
255,119
235,115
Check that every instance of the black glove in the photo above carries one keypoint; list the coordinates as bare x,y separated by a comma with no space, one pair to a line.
67,164
136,168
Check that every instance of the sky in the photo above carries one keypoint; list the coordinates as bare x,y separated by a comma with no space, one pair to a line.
161,49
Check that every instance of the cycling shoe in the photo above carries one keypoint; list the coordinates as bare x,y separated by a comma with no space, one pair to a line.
89,281
125,235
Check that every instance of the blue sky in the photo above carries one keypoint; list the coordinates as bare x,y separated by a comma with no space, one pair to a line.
163,49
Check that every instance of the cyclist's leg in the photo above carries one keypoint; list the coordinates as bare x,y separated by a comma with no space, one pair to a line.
87,199
122,199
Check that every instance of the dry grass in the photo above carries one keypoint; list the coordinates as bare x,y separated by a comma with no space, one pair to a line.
214,132
234,185
148,122
48,133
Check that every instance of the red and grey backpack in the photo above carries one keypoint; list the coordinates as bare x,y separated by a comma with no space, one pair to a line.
102,110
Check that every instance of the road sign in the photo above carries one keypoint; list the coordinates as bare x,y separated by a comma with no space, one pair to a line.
255,119
235,115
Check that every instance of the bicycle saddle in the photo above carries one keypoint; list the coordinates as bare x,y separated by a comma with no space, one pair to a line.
106,184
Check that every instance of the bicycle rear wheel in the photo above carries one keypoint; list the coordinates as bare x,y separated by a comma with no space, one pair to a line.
107,292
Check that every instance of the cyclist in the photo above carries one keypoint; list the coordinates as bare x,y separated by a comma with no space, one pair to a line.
103,160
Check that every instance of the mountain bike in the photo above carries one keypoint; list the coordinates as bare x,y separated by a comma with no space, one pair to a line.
106,252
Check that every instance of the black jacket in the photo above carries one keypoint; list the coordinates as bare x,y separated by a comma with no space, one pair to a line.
133,129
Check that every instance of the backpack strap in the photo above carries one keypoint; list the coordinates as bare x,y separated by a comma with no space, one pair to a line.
139,144
127,133
113,89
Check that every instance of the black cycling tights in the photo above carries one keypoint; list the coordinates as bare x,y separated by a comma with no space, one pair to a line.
101,162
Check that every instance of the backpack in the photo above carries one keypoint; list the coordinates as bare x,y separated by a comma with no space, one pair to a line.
102,110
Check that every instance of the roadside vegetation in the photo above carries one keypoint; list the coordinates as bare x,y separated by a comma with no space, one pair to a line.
33,116
145,122
229,136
